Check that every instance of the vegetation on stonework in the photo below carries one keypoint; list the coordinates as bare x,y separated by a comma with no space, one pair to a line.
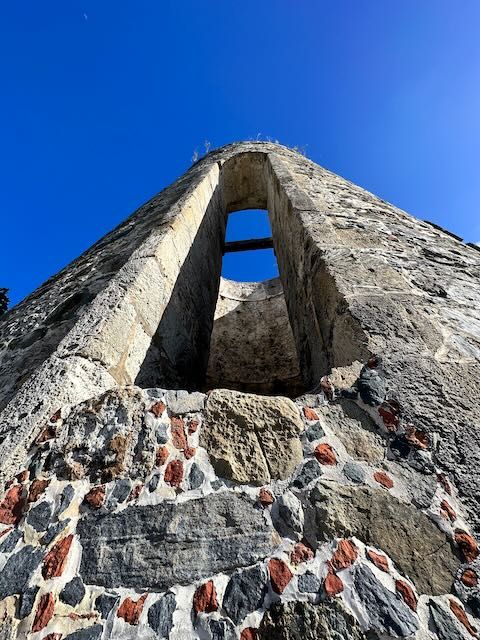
3,300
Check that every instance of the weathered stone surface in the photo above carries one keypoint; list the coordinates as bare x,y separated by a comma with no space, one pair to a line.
160,615
345,554
325,454
445,624
305,621
354,472
406,591
309,583
156,547
315,432
10,542
420,550
64,500
222,630
287,516
378,559
301,553
39,516
27,600
310,471
119,442
245,592
88,633
53,531
73,592
37,488
355,429
371,386
195,477
387,614
15,574
120,492
104,603
251,439
180,402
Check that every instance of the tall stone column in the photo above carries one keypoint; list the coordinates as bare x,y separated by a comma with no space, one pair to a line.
140,502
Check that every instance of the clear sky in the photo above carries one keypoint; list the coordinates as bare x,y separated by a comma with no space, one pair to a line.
105,101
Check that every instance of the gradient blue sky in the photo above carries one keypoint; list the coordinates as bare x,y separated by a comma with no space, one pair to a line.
105,101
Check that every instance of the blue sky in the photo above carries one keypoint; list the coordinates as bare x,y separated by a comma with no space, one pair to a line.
105,101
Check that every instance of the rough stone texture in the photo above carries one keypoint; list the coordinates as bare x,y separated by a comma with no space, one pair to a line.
252,347
160,615
73,592
445,625
197,540
245,592
383,311
309,583
305,621
89,633
420,550
386,612
251,439
39,516
27,600
15,574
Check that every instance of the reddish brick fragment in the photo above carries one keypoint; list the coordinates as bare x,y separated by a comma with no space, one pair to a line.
56,416
389,411
301,553
56,559
44,612
280,574
135,492
23,475
332,585
157,409
265,497
459,612
46,434
5,531
345,554
382,478
467,544
310,414
325,454
174,473
443,480
249,633
189,452
374,362
11,507
326,385
37,487
161,456
179,439
378,560
447,511
82,616
406,591
130,610
205,598
416,437
95,497
192,427
469,578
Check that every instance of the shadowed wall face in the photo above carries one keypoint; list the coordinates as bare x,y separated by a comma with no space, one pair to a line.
252,347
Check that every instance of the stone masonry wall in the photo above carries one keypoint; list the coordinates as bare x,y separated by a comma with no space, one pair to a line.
163,514
353,512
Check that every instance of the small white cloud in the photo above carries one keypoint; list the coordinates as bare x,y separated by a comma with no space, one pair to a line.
85,16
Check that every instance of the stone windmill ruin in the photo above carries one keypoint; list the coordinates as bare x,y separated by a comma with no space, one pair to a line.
184,457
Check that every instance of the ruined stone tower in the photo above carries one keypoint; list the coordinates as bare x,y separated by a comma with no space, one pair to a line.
184,457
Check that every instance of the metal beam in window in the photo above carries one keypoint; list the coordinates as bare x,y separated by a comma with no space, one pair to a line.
248,245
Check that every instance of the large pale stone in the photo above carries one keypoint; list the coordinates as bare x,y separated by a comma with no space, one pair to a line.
251,439
159,546
417,546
